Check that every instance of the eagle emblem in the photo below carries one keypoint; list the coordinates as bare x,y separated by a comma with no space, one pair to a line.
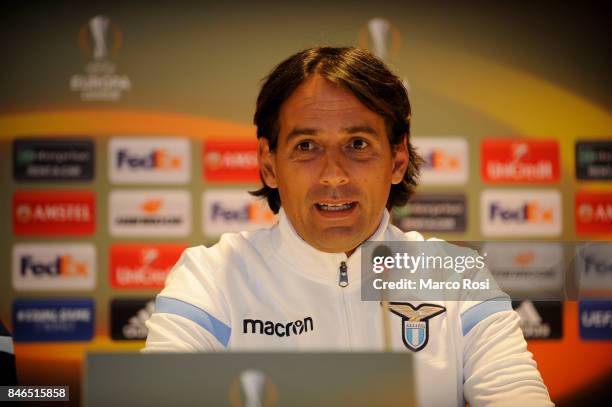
415,322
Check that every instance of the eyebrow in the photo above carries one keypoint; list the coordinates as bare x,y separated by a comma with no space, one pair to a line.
360,129
301,131
308,131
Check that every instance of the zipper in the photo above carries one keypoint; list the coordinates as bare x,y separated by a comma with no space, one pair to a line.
343,282
343,275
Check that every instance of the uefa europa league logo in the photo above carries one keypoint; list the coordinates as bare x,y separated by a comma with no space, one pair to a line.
381,37
100,41
253,387
100,38
378,29
98,26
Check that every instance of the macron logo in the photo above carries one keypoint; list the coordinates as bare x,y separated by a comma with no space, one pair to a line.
257,326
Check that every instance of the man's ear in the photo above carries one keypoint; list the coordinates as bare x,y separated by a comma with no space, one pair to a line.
267,166
401,158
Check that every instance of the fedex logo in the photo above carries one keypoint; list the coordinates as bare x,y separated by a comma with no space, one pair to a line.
142,265
445,158
38,266
529,212
250,212
157,159
63,265
233,211
160,160
594,213
511,213
54,213
440,160
593,267
514,161
230,161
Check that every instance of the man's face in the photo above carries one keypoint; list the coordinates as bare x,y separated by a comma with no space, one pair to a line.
333,165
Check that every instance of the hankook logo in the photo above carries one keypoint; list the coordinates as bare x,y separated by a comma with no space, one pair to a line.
257,326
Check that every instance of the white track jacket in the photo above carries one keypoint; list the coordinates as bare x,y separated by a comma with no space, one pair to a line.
270,291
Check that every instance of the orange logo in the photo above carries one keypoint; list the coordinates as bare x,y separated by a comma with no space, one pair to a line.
524,259
152,206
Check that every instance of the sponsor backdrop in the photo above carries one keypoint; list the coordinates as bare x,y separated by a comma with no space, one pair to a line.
125,137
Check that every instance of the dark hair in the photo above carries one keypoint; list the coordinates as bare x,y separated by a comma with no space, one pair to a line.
362,74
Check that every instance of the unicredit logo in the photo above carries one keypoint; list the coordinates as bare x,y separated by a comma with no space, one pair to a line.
142,266
530,212
158,159
64,265
520,161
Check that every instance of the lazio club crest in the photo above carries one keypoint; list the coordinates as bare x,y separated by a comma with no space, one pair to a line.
415,322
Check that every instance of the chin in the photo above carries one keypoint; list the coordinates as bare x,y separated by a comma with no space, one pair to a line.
330,243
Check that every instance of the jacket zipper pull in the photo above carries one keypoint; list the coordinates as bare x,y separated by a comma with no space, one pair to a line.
343,275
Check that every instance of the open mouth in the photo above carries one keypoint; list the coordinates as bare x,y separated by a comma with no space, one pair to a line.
335,207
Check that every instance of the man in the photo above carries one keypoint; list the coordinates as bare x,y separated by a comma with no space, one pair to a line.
8,371
333,127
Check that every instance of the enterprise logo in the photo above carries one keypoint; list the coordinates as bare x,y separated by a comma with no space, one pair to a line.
257,326
432,213
594,160
520,213
53,159
149,160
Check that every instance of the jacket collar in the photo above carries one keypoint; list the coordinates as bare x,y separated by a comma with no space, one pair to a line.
315,264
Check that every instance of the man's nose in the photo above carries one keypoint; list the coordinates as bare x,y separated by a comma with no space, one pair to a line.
333,172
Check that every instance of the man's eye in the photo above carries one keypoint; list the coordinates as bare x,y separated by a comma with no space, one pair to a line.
305,146
359,144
